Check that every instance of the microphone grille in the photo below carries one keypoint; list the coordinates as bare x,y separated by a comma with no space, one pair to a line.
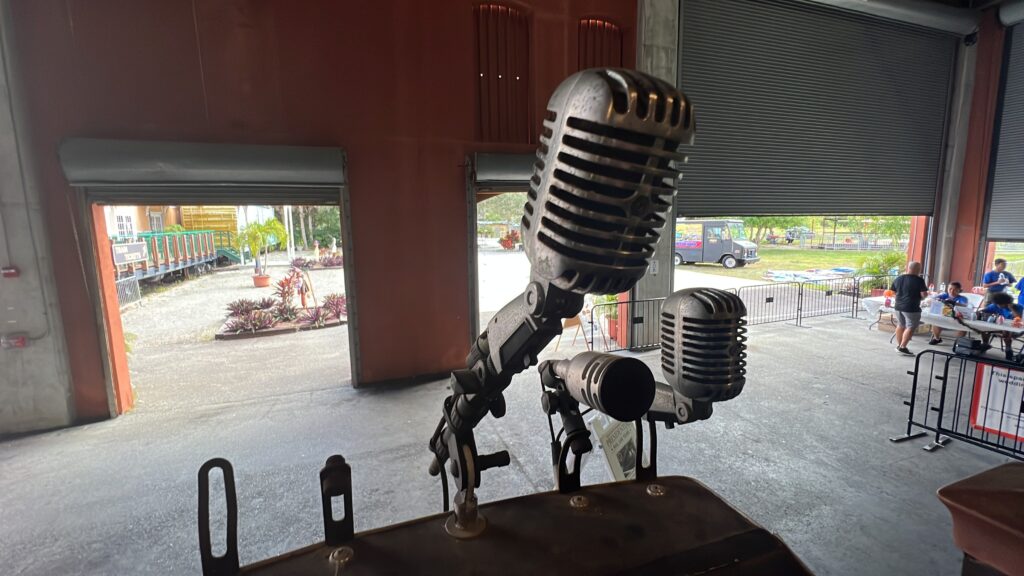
703,343
604,180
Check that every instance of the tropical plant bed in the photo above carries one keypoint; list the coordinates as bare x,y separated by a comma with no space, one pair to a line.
280,314
325,263
278,328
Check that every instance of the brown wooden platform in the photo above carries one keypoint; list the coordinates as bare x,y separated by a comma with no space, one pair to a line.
622,530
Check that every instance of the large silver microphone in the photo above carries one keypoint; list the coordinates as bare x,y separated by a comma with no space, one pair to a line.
619,386
703,353
603,181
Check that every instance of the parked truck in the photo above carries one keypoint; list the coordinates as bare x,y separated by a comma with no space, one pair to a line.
718,241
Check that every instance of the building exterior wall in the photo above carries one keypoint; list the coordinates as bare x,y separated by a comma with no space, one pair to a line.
392,83
35,384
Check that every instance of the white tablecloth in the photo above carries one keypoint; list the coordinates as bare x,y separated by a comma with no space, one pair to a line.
875,305
981,326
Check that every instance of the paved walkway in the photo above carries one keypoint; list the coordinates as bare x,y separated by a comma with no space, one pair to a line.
176,364
803,450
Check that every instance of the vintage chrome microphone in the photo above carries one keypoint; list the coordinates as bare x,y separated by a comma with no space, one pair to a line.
602,186
703,353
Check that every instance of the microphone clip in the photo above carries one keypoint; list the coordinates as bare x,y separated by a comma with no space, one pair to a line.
556,399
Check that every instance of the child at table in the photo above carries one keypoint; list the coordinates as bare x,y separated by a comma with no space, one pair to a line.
1002,306
1020,292
954,297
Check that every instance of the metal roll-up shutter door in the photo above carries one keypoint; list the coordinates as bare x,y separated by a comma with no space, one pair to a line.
805,109
1006,209
192,174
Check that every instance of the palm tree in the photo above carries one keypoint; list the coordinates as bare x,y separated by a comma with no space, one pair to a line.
261,236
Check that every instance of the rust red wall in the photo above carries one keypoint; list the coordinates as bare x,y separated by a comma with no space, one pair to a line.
392,82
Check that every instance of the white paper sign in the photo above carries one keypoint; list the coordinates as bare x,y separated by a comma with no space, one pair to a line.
998,405
617,441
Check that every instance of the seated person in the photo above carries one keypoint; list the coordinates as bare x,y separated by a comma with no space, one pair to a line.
953,297
1020,292
1004,306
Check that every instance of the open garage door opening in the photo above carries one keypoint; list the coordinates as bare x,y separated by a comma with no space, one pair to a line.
498,187
222,274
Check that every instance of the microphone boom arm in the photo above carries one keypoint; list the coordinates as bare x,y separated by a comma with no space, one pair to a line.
509,345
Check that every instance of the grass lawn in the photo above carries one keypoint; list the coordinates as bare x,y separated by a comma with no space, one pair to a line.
779,258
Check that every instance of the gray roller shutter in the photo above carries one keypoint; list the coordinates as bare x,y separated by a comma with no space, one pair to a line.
191,173
1006,211
805,109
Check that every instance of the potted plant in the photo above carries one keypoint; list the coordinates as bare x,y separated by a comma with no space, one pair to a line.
259,237
879,267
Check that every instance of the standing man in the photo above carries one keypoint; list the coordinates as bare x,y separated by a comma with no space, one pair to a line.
910,290
997,279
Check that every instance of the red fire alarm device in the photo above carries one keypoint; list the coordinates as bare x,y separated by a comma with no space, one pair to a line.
13,340
10,272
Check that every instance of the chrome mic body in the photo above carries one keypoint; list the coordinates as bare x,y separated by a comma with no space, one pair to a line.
602,187
603,182
703,353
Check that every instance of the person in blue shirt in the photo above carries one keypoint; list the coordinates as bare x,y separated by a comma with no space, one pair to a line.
997,279
1020,292
1002,305
954,297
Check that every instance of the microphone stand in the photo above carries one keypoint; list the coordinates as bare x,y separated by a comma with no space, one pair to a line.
509,345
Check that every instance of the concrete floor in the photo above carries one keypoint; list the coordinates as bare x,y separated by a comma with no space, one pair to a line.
803,451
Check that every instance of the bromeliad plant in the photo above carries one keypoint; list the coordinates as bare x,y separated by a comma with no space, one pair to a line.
302,263
242,306
315,317
251,321
332,261
336,305
266,303
285,312
285,289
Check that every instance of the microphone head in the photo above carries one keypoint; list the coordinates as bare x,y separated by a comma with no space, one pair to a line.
703,343
621,387
603,183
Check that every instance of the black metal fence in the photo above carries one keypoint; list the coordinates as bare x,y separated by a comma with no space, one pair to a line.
626,325
977,400
776,302
633,324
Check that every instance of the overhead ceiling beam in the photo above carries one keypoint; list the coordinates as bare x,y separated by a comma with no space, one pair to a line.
960,21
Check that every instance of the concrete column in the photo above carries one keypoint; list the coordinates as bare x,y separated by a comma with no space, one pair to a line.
658,55
968,236
35,383
945,218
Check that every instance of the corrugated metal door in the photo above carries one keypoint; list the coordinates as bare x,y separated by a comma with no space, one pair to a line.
805,109
1006,209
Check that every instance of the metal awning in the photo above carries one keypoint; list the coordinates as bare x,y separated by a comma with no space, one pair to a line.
190,173
502,172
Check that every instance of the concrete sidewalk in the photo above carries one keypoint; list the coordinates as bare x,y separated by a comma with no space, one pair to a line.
803,450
